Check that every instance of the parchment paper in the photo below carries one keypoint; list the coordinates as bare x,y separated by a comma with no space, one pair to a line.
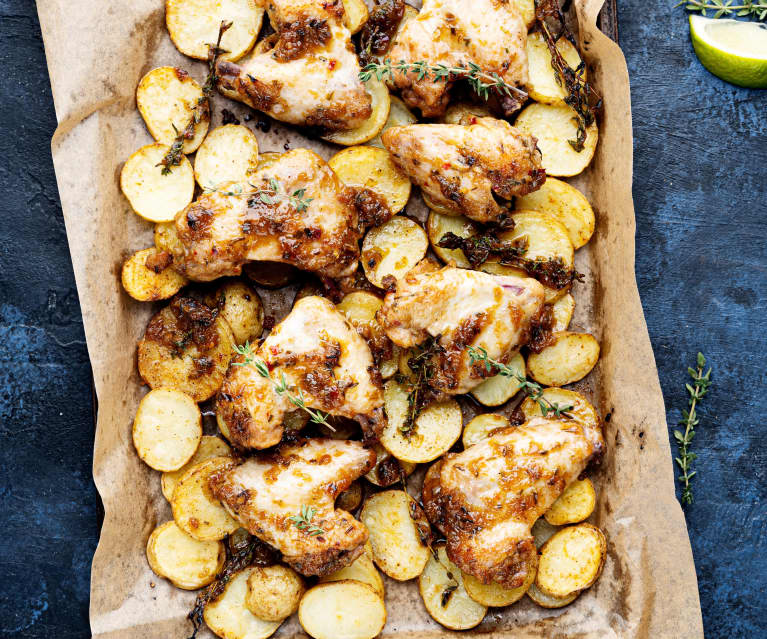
97,52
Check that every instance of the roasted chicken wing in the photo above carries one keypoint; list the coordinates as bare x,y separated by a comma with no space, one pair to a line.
287,499
307,73
461,308
462,167
486,499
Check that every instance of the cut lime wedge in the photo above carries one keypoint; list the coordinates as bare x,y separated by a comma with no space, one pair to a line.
733,50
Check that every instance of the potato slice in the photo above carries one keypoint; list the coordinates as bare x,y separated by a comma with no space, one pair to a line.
497,390
345,609
241,307
565,203
542,85
394,536
527,10
434,432
571,560
355,15
195,510
388,469
228,617
166,238
542,531
209,447
271,274
553,126
167,429
186,562
481,426
373,125
360,308
152,195
399,115
581,409
444,594
194,24
465,113
362,569
562,312
166,97
570,358
547,601
372,168
274,592
393,249
438,224
494,594
146,284
228,154
351,498
574,505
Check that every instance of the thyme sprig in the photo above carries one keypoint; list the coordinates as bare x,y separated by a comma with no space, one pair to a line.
418,384
272,195
201,109
755,9
483,82
303,521
699,387
531,389
281,386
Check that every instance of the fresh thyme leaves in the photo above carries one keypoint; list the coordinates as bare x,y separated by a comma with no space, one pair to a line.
303,521
581,96
699,387
756,9
201,110
531,389
482,82
281,386
269,196
418,383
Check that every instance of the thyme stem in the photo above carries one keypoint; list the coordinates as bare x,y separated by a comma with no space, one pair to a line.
269,196
756,9
303,521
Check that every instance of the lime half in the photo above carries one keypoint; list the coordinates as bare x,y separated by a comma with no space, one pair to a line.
733,50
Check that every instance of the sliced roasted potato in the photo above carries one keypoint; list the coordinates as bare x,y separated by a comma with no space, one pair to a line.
209,447
393,249
152,195
574,505
228,617
351,498
228,154
399,115
372,168
438,224
465,113
147,278
444,594
570,358
542,531
580,409
498,389
195,510
547,601
395,537
355,15
388,469
345,609
274,592
567,204
434,432
360,308
527,10
571,560
268,158
562,311
186,562
373,125
166,98
361,569
553,126
241,307
167,429
194,24
494,594
481,426
271,274
542,85
166,238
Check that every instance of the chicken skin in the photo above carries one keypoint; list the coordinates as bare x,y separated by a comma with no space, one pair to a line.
321,358
486,499
461,308
488,33
464,167
306,74
309,220
270,494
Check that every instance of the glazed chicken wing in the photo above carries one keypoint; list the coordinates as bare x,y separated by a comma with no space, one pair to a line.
462,308
266,491
308,220
488,33
486,499
463,167
306,74
321,357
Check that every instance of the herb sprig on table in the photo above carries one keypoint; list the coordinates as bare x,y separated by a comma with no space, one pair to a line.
756,9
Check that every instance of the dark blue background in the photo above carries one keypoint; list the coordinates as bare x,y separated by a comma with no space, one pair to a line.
700,176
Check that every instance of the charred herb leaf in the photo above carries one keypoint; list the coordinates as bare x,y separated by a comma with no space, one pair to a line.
419,392
379,30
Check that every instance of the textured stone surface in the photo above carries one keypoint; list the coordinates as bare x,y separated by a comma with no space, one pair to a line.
701,201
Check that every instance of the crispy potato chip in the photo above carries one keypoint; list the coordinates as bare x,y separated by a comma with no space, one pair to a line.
146,283
186,562
166,98
345,609
373,125
361,569
355,15
562,311
274,592
388,469
569,359
578,407
542,85
481,426
209,447
571,560
494,594
241,307
399,115
152,195
499,389
393,249
574,505
438,224
167,429
547,601
228,154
